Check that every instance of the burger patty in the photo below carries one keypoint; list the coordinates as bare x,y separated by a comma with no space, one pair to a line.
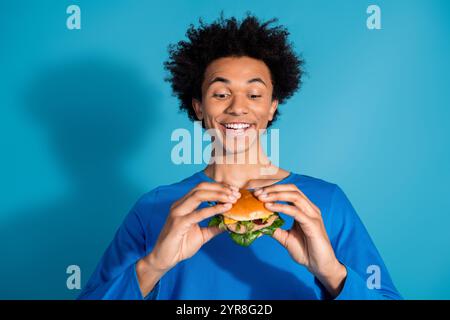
243,229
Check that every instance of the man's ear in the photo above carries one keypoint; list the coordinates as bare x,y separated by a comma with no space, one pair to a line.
273,108
197,105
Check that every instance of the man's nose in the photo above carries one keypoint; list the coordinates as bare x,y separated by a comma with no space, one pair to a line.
237,106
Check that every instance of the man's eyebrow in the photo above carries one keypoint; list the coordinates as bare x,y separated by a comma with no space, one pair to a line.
220,79
257,80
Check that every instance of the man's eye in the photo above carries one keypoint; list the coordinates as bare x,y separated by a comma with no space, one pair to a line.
255,96
221,95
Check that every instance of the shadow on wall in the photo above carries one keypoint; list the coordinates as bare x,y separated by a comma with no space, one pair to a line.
95,113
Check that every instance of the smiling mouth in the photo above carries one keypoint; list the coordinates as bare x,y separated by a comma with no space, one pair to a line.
235,128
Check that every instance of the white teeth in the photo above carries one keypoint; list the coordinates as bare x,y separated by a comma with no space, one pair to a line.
237,126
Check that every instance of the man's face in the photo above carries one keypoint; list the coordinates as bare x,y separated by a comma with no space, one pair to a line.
236,101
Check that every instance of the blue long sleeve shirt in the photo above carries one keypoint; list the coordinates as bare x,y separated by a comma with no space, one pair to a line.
221,269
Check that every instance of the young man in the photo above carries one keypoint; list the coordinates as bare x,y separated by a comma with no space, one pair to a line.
232,75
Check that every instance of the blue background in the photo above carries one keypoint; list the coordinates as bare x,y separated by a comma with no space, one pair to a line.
86,119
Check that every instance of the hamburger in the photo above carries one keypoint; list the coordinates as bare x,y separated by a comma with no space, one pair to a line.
247,220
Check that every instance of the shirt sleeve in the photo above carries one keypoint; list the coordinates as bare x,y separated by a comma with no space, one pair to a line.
367,276
115,276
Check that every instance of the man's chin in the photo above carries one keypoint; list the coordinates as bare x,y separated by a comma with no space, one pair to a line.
238,146
237,152
231,150
230,147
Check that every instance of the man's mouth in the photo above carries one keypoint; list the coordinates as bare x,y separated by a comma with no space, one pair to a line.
235,128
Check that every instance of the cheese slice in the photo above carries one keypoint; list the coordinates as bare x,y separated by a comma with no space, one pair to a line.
228,220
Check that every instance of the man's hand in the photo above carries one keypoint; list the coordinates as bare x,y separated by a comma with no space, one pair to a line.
181,237
307,241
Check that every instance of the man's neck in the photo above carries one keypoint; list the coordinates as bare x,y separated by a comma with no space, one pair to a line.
246,174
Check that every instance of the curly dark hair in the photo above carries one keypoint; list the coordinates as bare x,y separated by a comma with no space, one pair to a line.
188,60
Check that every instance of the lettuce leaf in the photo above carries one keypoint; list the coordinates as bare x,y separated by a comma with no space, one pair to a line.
271,229
247,238
217,221
244,239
